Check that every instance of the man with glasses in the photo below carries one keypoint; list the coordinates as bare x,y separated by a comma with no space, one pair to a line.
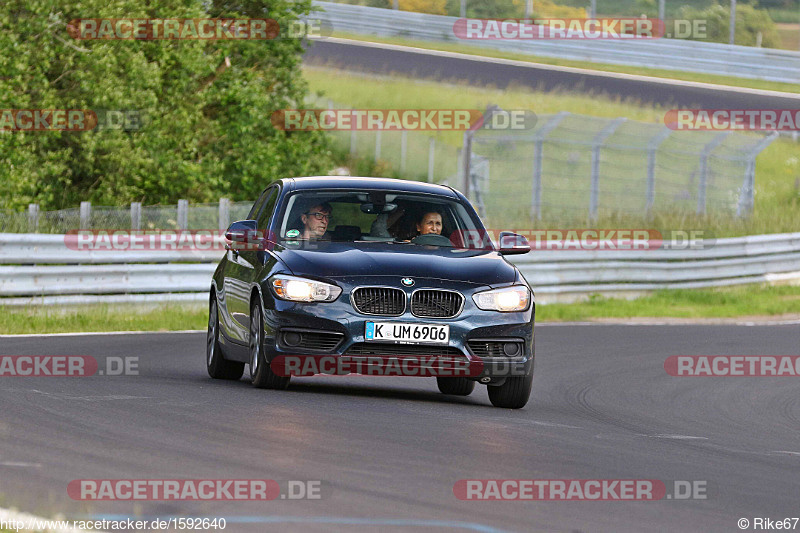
315,221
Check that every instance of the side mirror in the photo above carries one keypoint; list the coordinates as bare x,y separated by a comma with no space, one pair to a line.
513,244
244,234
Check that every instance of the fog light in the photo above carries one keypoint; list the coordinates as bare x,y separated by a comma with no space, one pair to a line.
511,349
292,338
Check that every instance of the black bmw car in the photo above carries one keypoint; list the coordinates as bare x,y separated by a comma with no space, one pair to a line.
329,272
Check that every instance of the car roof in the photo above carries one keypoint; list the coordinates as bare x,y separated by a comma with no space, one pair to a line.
340,182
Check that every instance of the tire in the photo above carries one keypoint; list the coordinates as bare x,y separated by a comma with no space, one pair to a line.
513,394
455,386
260,371
218,367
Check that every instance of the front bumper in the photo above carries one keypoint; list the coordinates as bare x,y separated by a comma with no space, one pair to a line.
474,333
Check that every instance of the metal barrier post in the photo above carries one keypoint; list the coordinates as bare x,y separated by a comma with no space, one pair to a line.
33,218
403,149
136,215
538,155
431,158
183,214
224,214
466,154
86,215
702,185
652,147
467,151
597,143
747,191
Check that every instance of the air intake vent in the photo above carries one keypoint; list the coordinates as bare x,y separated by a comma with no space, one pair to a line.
496,347
383,301
318,341
372,348
434,303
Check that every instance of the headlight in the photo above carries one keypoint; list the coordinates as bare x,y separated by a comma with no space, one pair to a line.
297,289
507,299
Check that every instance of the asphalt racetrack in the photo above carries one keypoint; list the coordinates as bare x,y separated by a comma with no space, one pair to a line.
388,451
374,58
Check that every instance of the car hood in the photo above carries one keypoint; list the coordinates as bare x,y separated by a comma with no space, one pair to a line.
351,259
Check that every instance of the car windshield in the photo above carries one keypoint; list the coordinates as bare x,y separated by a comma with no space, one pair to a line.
379,216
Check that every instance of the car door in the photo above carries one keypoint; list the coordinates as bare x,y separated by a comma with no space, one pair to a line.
238,276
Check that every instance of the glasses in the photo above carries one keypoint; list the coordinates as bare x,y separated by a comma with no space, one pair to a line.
320,216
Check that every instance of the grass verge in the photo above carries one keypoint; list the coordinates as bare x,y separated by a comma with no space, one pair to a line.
700,77
749,301
102,317
790,36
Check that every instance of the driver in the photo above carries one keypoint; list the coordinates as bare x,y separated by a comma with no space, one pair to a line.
315,221
430,222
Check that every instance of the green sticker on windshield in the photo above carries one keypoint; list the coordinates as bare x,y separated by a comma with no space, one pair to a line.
293,233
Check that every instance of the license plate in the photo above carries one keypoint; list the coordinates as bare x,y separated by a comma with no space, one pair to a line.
407,333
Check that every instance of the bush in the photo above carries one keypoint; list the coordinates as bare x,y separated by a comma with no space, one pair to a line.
434,7
749,22
548,9
208,132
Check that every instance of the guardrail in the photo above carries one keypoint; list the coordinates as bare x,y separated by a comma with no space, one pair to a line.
671,54
40,269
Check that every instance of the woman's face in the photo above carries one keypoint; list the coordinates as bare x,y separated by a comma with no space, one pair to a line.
430,223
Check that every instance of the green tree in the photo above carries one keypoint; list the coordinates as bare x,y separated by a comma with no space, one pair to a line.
207,105
749,23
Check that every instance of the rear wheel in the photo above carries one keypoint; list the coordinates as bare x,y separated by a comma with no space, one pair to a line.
218,367
455,386
512,394
260,371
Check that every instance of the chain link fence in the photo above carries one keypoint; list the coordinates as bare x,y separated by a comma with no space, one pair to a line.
581,168
431,156
567,169
181,216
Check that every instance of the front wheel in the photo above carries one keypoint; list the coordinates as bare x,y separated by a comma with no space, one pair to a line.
262,375
513,394
218,367
455,386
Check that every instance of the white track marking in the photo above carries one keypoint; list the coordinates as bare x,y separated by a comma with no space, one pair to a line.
98,333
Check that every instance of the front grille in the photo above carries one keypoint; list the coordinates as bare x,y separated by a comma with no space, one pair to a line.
434,303
320,341
494,348
371,348
383,301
